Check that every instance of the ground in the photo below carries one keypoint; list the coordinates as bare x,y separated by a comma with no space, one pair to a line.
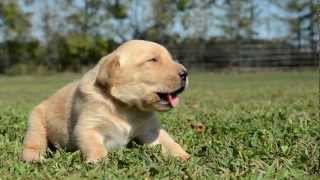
255,125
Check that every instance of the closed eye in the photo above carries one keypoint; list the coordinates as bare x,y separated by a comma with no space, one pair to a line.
153,60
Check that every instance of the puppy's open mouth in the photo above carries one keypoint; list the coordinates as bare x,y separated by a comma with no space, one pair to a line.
171,98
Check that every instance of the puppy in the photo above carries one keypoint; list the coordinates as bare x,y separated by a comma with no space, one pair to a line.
110,105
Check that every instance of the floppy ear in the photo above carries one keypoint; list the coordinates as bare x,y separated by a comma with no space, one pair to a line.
109,66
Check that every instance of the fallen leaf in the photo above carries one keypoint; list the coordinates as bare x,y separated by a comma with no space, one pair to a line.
198,127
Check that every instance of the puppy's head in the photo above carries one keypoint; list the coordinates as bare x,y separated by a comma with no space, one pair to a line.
143,74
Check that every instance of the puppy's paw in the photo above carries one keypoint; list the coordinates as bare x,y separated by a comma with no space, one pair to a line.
31,155
185,157
93,159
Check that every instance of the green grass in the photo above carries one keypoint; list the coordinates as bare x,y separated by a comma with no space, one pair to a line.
257,125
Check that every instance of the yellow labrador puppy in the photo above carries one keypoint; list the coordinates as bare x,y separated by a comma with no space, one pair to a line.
111,104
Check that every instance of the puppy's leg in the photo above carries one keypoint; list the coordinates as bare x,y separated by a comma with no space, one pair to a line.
91,144
160,136
35,142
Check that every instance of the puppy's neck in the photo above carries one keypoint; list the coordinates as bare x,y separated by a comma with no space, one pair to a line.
131,110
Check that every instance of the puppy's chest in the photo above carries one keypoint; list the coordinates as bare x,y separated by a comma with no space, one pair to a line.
118,135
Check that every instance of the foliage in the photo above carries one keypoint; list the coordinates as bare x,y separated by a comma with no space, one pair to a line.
317,13
300,20
118,10
239,19
14,23
163,14
80,50
182,4
61,35
66,53
257,126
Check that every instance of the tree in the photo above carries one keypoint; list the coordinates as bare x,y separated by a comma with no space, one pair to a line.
14,31
14,23
139,18
300,19
198,13
162,19
238,20
83,17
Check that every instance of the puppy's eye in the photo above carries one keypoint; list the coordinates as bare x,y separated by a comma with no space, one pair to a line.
153,60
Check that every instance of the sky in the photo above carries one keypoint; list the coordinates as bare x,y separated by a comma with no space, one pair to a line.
268,27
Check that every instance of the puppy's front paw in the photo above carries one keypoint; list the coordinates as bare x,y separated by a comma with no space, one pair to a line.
31,155
95,158
185,157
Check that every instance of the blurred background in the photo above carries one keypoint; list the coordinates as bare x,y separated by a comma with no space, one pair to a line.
40,36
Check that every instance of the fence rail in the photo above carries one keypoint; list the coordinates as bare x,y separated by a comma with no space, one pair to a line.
247,56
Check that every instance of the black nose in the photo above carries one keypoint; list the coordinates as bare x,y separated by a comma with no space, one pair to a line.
183,74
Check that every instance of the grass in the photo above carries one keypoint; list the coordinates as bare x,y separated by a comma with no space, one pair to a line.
257,125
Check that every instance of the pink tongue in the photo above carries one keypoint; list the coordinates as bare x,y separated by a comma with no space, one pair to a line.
173,100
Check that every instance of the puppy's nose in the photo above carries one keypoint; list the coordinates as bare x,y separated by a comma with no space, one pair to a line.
183,74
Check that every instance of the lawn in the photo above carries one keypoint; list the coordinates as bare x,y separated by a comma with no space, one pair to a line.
256,125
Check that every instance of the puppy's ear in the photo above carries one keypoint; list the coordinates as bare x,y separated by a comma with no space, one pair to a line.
110,65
